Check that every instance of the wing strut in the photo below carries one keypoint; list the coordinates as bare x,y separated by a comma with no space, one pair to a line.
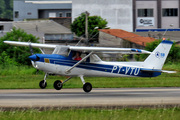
42,51
69,69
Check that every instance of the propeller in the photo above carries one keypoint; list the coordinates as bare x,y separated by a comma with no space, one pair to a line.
33,56
31,50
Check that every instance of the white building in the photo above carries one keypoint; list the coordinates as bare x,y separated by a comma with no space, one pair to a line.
118,13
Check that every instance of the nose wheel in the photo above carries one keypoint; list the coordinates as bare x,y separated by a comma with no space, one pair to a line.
42,84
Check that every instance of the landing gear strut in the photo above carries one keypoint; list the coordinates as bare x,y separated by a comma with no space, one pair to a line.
58,84
87,87
43,83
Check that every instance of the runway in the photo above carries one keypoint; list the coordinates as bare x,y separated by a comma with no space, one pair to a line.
104,97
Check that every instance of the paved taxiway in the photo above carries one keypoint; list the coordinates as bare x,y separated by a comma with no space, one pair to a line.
97,97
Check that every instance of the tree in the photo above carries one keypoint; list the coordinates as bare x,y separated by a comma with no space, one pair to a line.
173,56
6,9
78,25
19,54
2,8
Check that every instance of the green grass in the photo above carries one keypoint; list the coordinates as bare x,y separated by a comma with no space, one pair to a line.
25,77
92,114
172,66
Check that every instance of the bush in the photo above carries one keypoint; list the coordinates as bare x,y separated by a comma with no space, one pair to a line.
173,56
5,60
18,54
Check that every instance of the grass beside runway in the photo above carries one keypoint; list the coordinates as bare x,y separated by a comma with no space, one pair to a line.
92,114
25,77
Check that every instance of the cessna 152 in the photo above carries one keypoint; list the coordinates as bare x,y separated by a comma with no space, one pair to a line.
60,62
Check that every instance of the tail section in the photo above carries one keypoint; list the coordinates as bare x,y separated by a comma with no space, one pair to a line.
157,58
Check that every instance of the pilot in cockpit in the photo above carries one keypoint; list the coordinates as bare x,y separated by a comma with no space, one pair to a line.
77,56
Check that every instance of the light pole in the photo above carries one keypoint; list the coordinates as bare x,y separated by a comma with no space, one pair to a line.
171,25
108,27
93,31
86,25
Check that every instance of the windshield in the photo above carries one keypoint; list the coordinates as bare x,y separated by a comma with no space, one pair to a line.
61,50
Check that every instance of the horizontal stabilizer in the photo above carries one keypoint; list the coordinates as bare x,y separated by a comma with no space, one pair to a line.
165,71
153,70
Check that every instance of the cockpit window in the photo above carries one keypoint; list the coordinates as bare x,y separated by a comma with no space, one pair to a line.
94,58
61,50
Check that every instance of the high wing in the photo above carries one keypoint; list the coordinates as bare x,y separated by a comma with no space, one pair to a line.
108,50
83,49
36,45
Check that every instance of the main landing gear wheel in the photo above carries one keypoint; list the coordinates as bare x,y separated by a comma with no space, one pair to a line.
58,85
42,84
87,87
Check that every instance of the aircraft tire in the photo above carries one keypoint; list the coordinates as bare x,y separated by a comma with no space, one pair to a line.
58,85
87,87
42,85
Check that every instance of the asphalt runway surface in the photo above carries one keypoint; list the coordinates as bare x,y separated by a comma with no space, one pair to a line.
103,97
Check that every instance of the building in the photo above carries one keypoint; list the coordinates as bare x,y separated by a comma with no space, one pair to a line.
133,15
140,16
118,13
156,14
41,9
122,39
46,30
5,26
129,15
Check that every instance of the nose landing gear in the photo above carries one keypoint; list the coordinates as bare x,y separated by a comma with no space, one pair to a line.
43,83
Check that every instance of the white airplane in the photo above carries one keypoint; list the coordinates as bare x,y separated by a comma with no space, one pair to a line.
61,62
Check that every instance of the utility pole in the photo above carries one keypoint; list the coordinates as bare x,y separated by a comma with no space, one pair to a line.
86,26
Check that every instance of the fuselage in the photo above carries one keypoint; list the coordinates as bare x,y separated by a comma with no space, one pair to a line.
58,64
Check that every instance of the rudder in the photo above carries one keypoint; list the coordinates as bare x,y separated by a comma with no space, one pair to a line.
157,58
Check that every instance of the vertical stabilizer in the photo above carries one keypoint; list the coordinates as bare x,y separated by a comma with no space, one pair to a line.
157,58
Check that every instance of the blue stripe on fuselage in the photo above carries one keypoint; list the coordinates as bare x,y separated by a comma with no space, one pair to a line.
116,69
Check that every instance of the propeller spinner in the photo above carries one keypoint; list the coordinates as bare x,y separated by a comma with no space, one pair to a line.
33,56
